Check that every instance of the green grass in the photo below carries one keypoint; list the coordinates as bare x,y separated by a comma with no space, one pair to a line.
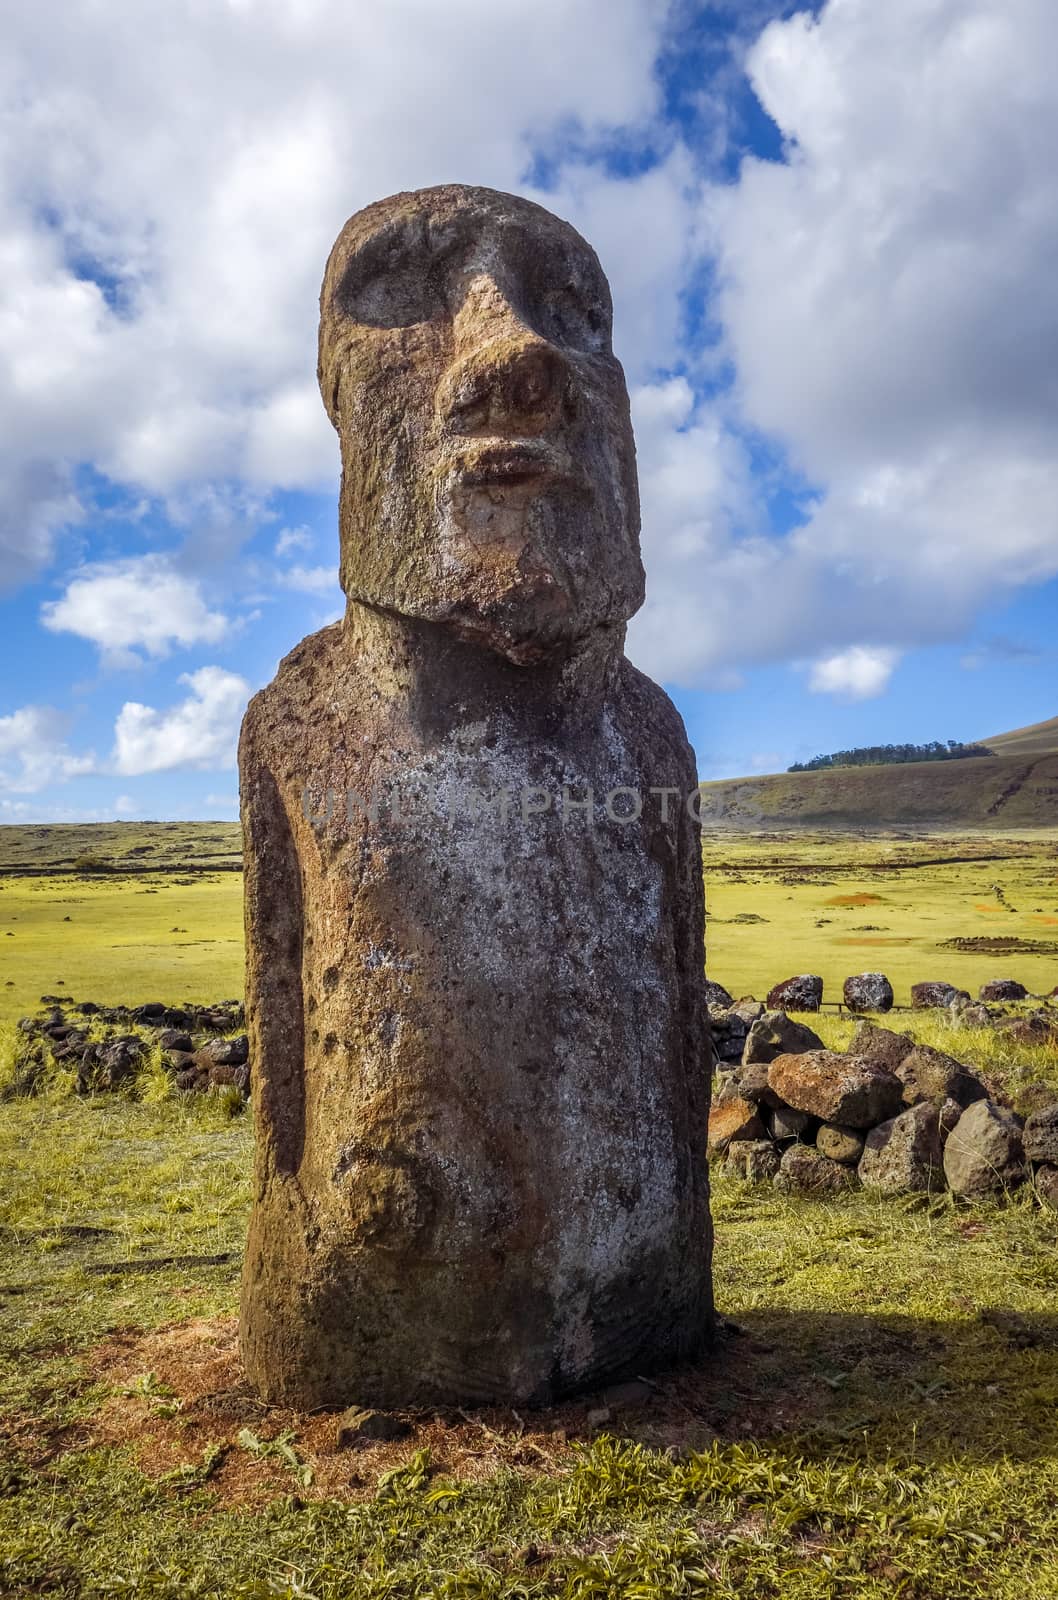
885,1422
923,892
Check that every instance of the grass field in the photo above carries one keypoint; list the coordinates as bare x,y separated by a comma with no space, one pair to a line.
879,1416
882,1418
167,923
840,904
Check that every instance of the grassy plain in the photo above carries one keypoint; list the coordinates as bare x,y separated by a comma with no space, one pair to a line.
882,1418
836,904
165,922
878,1418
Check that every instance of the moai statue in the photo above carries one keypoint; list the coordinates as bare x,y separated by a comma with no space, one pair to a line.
473,883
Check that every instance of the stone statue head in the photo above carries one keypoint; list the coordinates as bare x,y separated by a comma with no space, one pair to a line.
488,465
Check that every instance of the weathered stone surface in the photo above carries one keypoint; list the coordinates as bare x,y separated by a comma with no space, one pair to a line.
929,1074
984,1154
971,1014
803,993
904,1155
805,1170
1041,1136
888,1049
716,995
1046,1185
840,1144
845,1089
784,1122
751,1082
755,1160
868,991
927,996
474,968
1003,989
776,1034
728,1030
1032,1030
731,1119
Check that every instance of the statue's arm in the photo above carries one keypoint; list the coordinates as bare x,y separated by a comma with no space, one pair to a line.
274,948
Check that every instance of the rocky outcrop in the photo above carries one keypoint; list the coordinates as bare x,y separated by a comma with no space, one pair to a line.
1003,990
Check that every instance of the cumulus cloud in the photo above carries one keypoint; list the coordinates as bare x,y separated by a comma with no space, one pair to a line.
34,752
309,580
139,604
200,732
164,228
293,539
890,302
861,673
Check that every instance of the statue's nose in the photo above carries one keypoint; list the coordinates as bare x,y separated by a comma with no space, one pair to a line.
508,378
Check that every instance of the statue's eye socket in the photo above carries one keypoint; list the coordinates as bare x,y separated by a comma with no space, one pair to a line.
392,289
572,315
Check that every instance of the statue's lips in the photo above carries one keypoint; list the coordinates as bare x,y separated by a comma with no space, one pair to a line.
498,466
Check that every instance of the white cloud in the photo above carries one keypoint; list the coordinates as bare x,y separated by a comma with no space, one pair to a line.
34,752
200,732
861,673
141,603
293,539
310,580
165,227
891,304
124,805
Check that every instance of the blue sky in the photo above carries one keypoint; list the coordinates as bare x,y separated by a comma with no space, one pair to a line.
830,232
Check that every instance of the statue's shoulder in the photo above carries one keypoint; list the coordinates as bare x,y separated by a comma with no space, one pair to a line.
302,681
648,714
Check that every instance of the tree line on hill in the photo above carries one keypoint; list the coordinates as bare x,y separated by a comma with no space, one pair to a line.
884,755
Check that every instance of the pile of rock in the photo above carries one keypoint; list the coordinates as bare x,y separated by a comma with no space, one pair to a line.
89,1039
891,1115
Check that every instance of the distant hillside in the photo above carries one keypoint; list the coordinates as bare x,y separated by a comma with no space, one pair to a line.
1039,739
1018,789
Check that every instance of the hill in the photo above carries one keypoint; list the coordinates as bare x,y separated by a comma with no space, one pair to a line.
1041,738
1015,788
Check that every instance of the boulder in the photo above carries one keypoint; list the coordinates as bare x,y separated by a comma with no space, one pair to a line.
803,993
927,996
776,1034
805,1170
786,1123
733,1119
984,1154
850,1090
840,1144
1033,1030
1002,990
970,1014
1041,1136
904,1155
728,1030
176,1039
224,1052
1046,1185
868,991
754,1160
881,1045
929,1074
717,995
